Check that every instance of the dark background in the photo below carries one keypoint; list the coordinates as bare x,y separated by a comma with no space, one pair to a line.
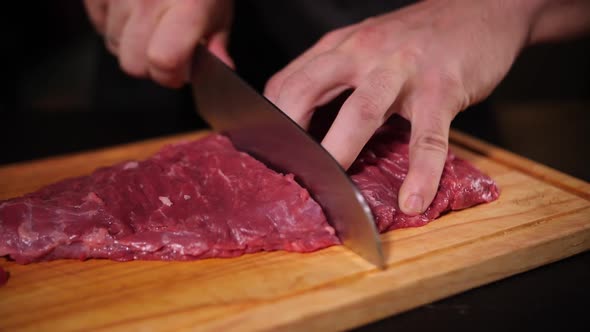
62,92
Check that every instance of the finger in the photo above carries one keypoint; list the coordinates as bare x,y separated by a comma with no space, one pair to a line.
97,12
363,113
135,40
431,111
218,45
324,76
117,16
177,34
326,43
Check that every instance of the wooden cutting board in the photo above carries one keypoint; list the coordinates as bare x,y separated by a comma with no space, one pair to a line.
542,216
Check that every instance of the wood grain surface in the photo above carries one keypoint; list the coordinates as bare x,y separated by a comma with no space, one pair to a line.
542,216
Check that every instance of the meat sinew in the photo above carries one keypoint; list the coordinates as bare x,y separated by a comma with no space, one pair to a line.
191,200
206,199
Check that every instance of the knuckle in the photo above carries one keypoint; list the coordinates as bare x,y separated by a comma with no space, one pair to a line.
132,67
327,63
441,79
335,36
382,80
329,58
166,79
410,55
433,142
368,36
453,87
273,85
329,38
449,87
306,79
112,46
368,109
298,83
163,62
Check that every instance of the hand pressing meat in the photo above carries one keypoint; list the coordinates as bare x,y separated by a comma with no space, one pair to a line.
425,62
156,38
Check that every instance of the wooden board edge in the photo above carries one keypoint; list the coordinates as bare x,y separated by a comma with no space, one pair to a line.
544,173
380,303
551,251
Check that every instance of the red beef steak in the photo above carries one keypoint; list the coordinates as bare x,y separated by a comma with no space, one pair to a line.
3,276
204,199
381,168
191,200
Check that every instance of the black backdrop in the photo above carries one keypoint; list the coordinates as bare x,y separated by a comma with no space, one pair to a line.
62,92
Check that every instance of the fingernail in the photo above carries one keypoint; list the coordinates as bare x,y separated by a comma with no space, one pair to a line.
414,204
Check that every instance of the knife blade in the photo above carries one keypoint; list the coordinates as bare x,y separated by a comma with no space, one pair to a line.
258,127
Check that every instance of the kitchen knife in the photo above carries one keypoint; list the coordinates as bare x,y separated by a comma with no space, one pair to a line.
258,127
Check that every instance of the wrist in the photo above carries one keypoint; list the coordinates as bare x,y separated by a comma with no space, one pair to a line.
528,13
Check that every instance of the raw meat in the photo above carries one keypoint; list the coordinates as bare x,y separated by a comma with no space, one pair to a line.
205,199
191,200
3,276
381,168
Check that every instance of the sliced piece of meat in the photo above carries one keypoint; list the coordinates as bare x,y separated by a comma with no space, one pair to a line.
3,277
191,200
380,169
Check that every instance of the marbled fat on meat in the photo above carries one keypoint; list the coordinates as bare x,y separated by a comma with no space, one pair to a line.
191,200
205,199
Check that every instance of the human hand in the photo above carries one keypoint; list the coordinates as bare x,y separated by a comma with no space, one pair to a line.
426,62
156,38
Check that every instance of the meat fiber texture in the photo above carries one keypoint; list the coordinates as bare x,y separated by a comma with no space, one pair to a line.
191,200
3,276
381,168
205,199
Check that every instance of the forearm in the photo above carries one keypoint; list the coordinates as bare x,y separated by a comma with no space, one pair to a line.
556,20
